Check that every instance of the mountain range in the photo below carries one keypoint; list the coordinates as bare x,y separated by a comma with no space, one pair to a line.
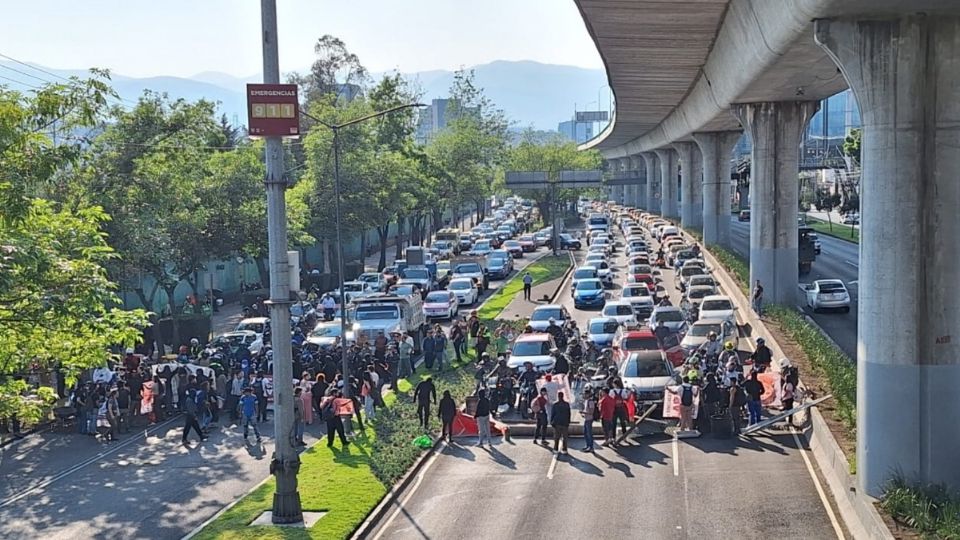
531,93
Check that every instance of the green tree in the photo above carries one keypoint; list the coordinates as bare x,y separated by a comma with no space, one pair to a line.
851,144
57,306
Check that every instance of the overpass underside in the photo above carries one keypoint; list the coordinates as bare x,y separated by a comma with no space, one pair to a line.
690,77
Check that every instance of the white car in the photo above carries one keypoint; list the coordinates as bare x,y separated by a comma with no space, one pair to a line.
717,307
533,348
828,294
440,305
540,318
646,374
699,331
254,324
465,289
622,311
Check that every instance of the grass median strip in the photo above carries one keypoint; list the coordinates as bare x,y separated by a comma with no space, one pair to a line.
837,230
544,270
348,484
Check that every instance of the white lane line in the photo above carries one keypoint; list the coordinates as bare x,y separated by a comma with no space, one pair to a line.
423,472
816,482
82,464
553,467
851,263
676,456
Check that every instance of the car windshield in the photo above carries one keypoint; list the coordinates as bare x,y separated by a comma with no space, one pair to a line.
353,287
641,344
603,327
482,246
416,273
831,288
669,315
328,330
645,366
635,290
458,285
585,273
472,268
701,280
369,278
691,271
255,327
589,285
697,294
617,309
544,314
375,313
531,348
404,290
702,330
441,244
438,296
716,305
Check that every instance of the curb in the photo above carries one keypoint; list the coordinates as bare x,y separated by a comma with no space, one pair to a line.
564,277
369,524
857,511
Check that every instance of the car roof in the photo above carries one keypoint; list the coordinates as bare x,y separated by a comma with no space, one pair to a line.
535,336
643,332
617,303
243,333
601,319
585,267
255,320
718,297
548,306
829,282
662,309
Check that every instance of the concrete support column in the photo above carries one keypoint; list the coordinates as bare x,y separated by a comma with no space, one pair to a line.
905,73
640,189
775,128
716,147
685,155
668,182
697,173
653,182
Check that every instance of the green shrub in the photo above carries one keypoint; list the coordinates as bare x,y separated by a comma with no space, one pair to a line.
825,357
933,510
738,268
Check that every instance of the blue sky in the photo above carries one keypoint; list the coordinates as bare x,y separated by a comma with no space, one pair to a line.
184,37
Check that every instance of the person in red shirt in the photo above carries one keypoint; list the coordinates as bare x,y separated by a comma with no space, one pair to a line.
607,411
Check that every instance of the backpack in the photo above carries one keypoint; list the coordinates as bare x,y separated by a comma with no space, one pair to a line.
328,412
686,396
739,397
618,401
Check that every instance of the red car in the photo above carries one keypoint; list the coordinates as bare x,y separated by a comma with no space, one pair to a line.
628,341
646,279
529,243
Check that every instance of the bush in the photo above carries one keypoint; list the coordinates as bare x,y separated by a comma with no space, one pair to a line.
931,510
826,358
738,268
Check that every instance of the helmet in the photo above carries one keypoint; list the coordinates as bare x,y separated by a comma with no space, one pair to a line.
607,351
712,335
129,350
728,346
194,341
485,355
785,362
760,341
552,320
693,360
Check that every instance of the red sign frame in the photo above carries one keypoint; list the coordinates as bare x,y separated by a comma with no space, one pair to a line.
273,110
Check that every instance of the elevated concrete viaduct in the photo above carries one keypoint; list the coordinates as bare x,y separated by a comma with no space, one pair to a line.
689,77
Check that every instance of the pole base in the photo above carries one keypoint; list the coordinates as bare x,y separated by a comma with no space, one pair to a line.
286,508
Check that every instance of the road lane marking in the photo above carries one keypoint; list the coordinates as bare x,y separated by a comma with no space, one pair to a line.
553,466
112,450
409,495
851,263
676,455
816,483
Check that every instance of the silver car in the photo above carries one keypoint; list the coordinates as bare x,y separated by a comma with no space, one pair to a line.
828,294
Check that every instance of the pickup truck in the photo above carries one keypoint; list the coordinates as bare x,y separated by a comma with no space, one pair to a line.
472,267
389,313
421,276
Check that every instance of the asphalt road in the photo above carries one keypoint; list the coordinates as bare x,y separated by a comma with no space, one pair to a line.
837,260
653,487
64,485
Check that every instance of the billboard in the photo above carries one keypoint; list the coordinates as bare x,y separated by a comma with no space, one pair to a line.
592,116
273,110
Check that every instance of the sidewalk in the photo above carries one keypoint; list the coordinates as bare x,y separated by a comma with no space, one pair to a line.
540,294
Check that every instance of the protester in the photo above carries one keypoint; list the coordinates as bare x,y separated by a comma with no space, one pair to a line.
757,299
306,387
332,414
607,414
190,416
539,408
366,394
298,417
788,387
688,396
483,418
448,411
762,357
439,347
527,285
423,394
249,405
560,420
429,350
589,409
236,390
754,390
620,396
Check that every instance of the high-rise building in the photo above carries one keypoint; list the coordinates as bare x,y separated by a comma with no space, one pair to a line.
578,132
436,116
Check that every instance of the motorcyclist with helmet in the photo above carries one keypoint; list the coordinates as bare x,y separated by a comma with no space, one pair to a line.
504,376
555,331
711,348
528,386
762,357
728,355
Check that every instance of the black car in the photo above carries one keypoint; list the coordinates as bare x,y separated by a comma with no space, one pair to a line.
567,241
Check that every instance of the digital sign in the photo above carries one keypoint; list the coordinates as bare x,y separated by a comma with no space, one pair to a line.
273,110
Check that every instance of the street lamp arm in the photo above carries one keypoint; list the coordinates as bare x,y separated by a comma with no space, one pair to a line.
362,118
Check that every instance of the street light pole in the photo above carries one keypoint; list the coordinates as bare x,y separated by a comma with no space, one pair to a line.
335,128
285,463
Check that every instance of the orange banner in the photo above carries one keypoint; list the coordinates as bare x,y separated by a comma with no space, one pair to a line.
771,388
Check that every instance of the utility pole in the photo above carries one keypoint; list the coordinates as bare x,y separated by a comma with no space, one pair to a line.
285,463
